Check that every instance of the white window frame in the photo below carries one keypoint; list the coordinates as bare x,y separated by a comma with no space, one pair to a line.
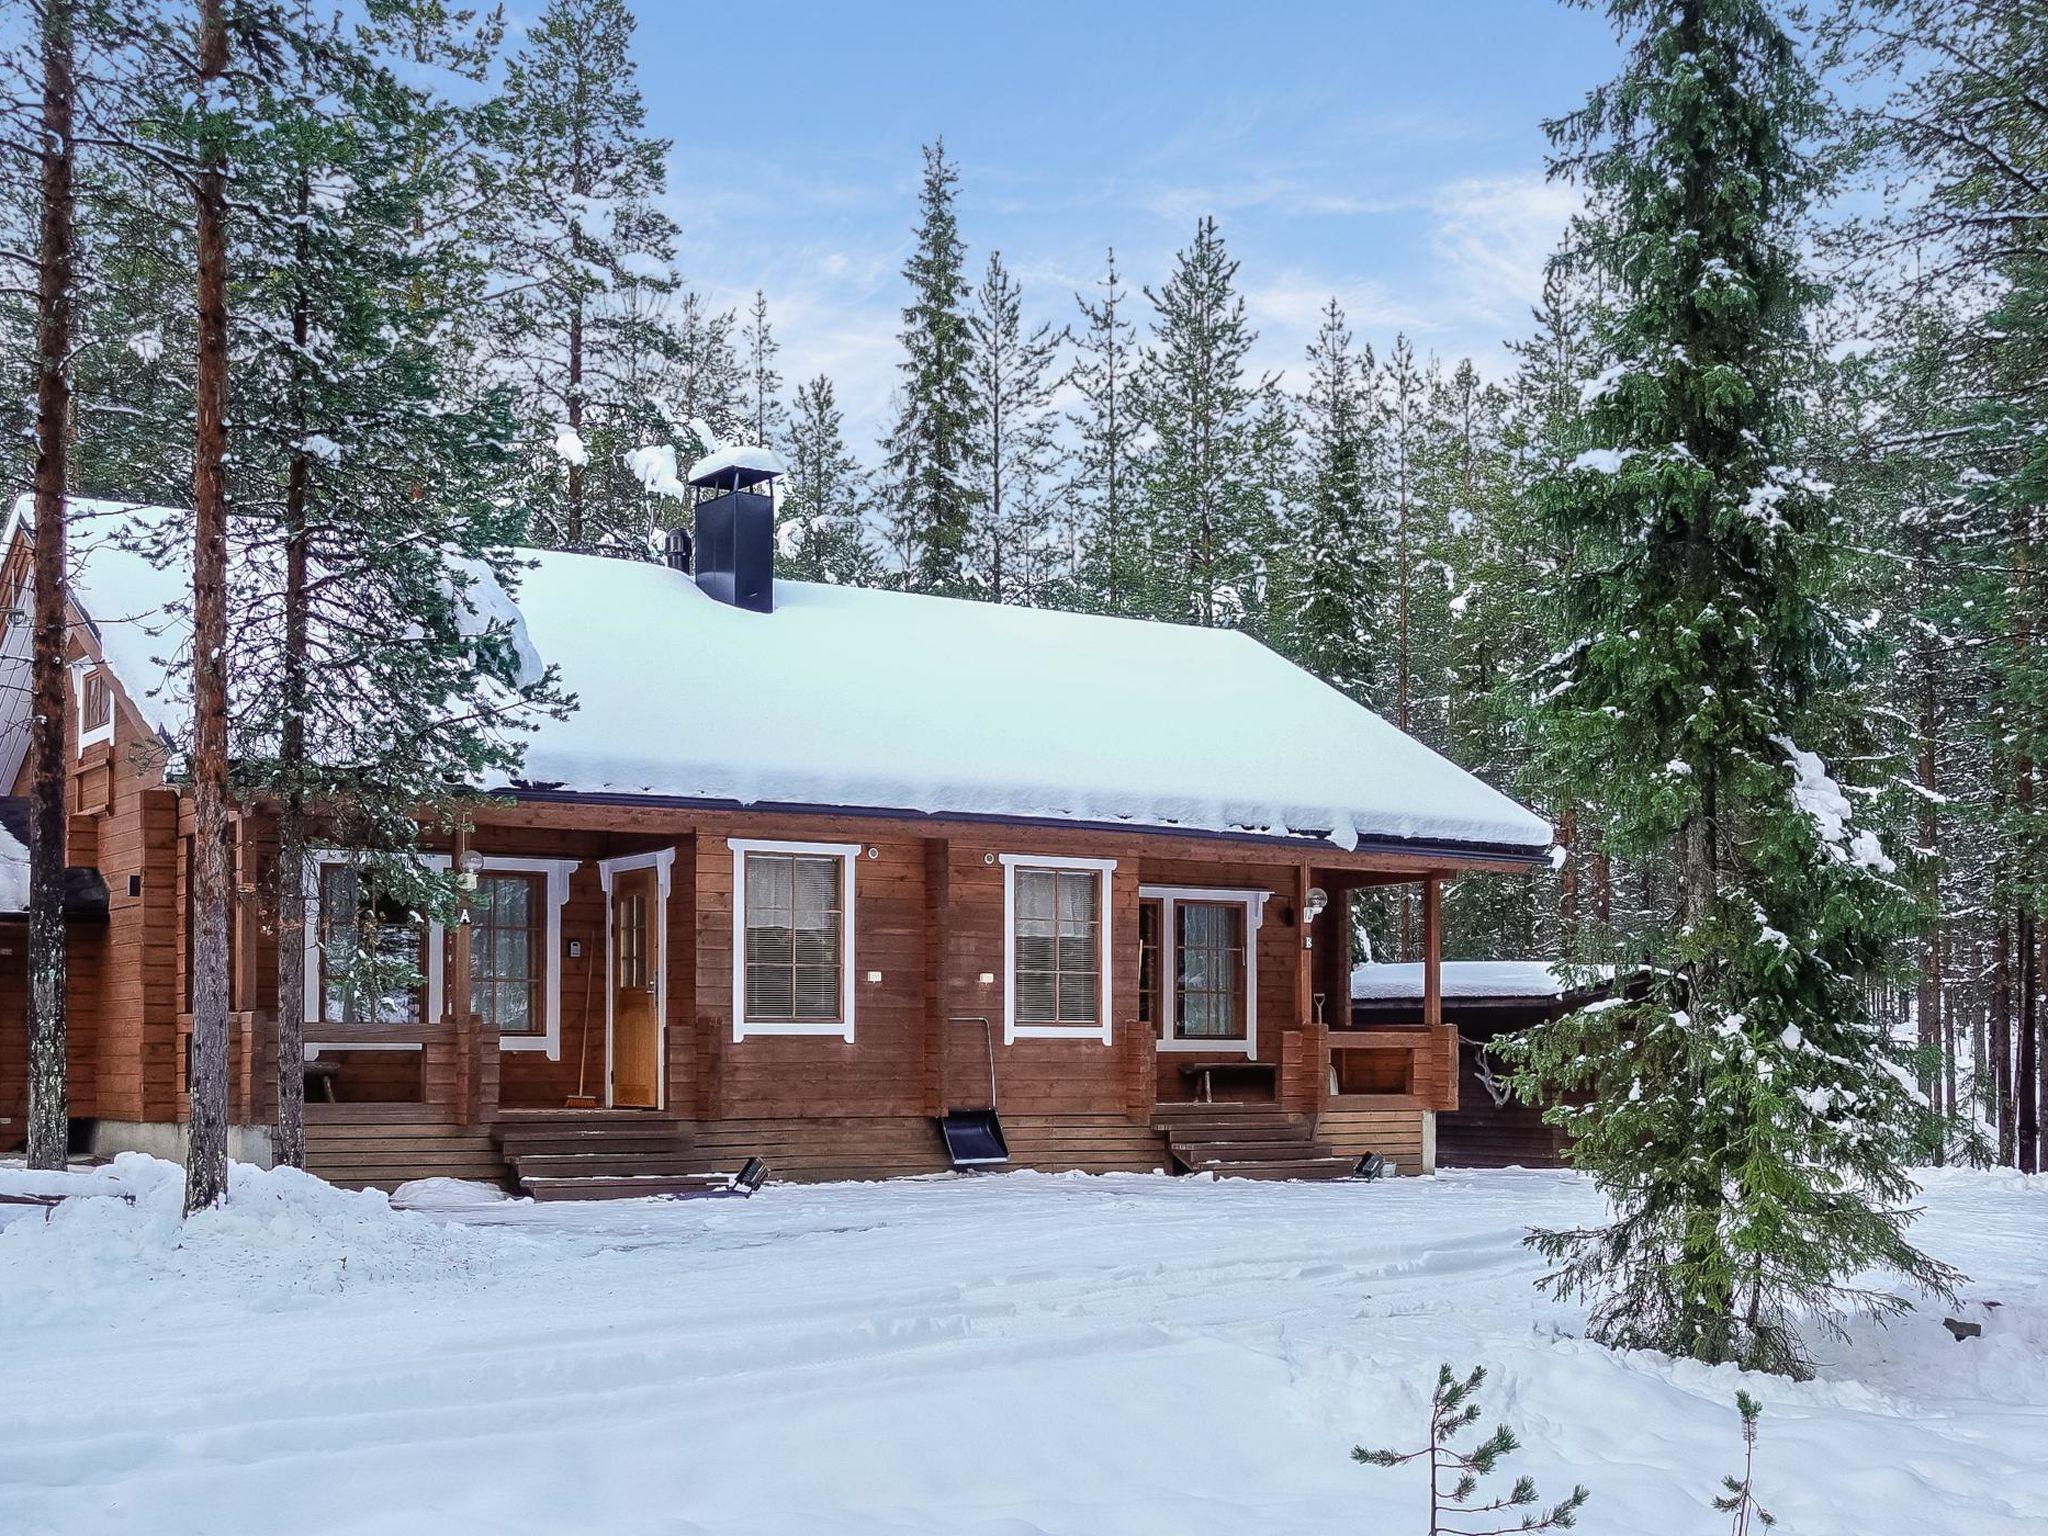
557,871
1104,869
663,862
80,672
316,990
849,856
1169,898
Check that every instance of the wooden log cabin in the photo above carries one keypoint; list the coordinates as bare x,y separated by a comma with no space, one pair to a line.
807,869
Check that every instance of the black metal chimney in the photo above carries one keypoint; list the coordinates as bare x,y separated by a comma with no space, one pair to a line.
735,543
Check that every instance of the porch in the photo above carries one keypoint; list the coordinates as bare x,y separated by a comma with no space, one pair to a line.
596,984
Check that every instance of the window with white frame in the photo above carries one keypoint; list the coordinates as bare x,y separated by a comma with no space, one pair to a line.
515,950
793,906
371,959
1200,964
95,690
1056,942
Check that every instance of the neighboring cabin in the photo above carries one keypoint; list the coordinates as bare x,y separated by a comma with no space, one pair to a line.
1483,1000
807,868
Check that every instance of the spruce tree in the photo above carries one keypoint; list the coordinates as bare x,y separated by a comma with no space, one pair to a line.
1211,472
1010,442
1403,400
587,255
705,380
1338,627
1749,1119
1106,431
769,419
928,449
823,534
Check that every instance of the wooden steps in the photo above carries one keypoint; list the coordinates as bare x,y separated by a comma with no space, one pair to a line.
357,1152
1247,1141
599,1154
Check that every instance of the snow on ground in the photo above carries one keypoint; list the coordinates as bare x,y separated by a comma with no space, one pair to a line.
1002,1356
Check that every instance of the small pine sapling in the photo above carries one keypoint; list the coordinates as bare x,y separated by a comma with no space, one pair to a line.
1739,1502
1454,1475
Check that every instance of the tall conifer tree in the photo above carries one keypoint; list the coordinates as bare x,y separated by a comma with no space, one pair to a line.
1105,460
1750,1119
588,253
1213,466
824,500
1338,627
769,417
929,450
1011,382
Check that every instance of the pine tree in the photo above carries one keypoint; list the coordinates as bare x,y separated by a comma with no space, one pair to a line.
1106,428
929,452
366,681
587,254
705,380
1749,1124
215,124
1010,443
1338,628
1212,469
55,118
764,385
823,534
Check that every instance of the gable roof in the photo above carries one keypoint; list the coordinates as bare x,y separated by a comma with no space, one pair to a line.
887,701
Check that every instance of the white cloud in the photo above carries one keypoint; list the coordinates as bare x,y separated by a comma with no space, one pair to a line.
1494,236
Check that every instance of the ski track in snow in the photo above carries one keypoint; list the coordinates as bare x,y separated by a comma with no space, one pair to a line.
1001,1356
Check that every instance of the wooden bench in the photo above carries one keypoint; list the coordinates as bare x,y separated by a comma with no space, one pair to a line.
1206,1073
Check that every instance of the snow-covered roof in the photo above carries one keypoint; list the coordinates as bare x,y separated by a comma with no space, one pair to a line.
846,696
1475,979
130,604
891,701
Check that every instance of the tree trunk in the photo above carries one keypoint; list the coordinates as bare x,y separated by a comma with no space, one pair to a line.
206,1158
574,527
49,1108
290,1141
2026,1053
1929,1002
2000,1045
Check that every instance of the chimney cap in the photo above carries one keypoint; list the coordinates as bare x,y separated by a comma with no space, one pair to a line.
733,469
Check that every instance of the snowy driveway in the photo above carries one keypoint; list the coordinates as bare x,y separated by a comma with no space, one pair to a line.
1022,1354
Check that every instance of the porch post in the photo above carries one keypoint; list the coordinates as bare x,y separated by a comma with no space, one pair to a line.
1432,950
469,1064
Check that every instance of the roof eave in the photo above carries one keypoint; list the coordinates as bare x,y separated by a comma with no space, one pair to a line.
1508,857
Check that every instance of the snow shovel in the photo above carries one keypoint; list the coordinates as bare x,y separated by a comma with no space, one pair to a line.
974,1137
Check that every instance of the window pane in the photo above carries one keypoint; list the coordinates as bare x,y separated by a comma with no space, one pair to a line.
817,992
770,946
770,991
1034,896
816,882
1077,997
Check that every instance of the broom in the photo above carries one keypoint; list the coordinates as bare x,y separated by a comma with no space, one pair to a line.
580,1099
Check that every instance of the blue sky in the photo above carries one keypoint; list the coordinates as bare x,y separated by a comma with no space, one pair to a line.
1389,153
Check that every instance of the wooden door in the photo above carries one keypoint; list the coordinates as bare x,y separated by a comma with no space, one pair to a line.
636,997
